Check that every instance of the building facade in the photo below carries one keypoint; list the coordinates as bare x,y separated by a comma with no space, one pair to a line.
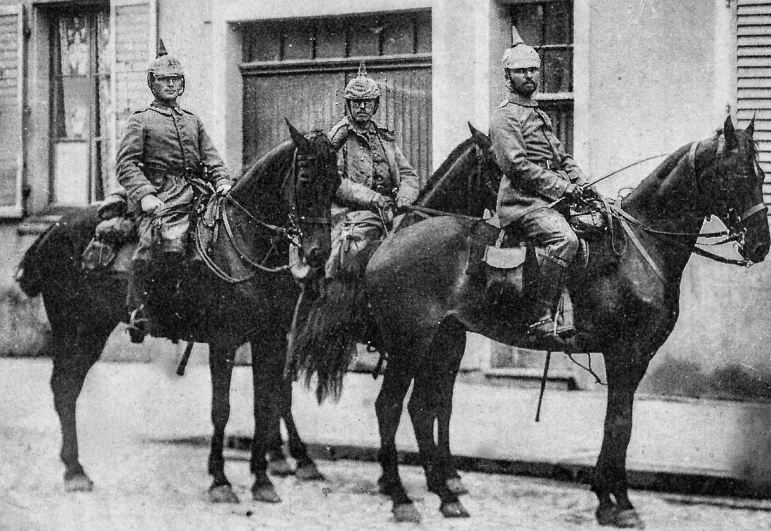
622,81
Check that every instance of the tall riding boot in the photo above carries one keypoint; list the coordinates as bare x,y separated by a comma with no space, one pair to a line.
161,299
546,301
138,289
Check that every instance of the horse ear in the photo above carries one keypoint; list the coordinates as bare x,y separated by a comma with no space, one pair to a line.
729,133
297,137
480,139
750,130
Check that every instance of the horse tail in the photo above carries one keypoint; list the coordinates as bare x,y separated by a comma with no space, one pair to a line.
325,345
29,273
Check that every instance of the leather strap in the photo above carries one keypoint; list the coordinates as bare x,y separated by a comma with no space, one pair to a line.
643,252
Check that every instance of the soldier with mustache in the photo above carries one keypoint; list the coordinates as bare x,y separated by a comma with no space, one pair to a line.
537,172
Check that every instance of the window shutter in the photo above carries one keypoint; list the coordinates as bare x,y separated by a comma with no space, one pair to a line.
134,30
11,110
754,76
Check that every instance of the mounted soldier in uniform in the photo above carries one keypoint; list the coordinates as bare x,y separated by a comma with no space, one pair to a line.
163,150
537,174
376,176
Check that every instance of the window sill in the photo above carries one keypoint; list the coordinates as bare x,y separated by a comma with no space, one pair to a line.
38,223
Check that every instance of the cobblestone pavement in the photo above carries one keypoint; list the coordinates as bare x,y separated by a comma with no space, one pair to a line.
143,484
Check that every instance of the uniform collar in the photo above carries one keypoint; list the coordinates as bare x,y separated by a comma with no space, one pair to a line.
521,100
165,109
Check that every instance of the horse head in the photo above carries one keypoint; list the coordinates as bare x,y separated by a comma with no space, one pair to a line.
467,181
313,187
732,188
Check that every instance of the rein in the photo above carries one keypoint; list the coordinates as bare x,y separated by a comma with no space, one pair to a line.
666,236
290,233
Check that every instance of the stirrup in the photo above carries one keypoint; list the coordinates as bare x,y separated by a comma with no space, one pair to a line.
138,325
543,328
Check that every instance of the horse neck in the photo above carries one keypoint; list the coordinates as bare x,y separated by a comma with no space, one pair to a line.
263,188
668,200
456,186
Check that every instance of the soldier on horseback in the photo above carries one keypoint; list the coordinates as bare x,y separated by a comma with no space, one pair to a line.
164,149
537,172
376,176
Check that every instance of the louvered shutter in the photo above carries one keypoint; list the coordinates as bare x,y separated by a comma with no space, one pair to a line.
135,35
754,76
11,110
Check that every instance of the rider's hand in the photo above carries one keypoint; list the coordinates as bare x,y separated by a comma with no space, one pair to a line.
150,204
573,191
402,203
379,202
224,188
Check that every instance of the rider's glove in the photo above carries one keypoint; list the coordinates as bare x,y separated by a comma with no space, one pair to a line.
379,202
573,192
150,204
224,188
402,203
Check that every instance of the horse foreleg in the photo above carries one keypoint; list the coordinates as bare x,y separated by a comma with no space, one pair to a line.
388,406
268,381
221,359
74,353
625,369
454,348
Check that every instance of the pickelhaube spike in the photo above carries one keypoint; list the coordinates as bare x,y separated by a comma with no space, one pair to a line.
362,86
161,49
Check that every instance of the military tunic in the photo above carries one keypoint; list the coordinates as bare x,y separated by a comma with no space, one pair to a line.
537,171
158,145
371,163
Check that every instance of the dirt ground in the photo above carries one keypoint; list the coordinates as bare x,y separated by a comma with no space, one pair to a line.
143,483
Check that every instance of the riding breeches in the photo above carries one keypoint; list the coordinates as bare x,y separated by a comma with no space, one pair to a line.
166,229
549,229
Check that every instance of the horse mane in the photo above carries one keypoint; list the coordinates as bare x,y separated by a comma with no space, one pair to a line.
440,172
266,164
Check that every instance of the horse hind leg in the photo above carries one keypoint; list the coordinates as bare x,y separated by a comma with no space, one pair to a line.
221,367
278,465
74,352
306,467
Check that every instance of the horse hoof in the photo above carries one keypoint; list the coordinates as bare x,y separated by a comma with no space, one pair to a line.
406,513
454,510
265,493
456,486
78,483
280,467
622,518
309,472
222,494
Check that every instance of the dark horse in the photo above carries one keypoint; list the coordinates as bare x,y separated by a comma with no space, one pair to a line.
425,290
465,184
247,295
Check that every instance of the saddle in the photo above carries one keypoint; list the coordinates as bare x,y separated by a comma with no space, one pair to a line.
511,265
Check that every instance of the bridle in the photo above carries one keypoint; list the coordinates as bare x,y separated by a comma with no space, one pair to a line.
735,231
290,233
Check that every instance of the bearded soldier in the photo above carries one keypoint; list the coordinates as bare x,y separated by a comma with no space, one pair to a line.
163,149
376,176
537,172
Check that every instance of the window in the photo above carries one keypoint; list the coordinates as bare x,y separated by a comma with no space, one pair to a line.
547,26
80,99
